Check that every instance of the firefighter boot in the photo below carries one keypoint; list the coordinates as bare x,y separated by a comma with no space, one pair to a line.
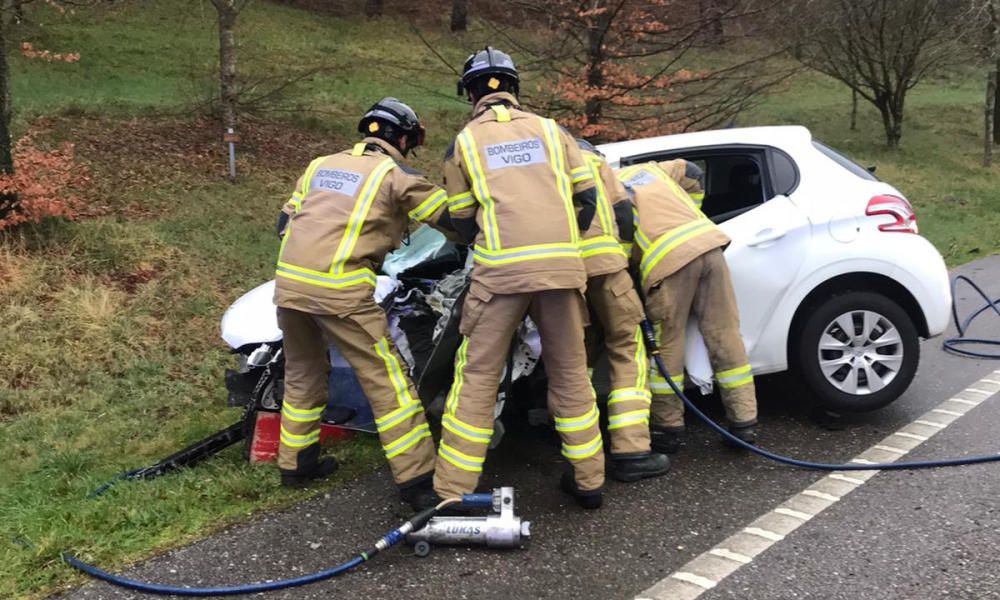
309,467
589,499
419,494
746,433
666,441
633,467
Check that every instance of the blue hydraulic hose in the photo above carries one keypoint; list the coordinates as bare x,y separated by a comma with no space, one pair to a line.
953,344
650,339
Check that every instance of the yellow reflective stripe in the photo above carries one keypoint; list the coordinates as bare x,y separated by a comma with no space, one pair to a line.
456,387
627,248
640,237
558,160
293,440
503,115
465,431
399,383
525,253
460,459
582,451
301,416
467,145
697,198
628,394
632,417
578,423
603,204
296,202
601,245
733,378
460,201
359,214
582,174
358,149
670,240
397,416
363,276
660,386
429,206
406,442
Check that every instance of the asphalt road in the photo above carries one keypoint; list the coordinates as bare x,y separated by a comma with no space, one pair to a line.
927,534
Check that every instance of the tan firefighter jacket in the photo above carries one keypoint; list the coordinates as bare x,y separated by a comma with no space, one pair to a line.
670,229
601,245
347,212
516,174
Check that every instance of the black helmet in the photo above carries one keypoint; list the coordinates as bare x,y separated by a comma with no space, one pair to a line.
588,147
389,119
494,63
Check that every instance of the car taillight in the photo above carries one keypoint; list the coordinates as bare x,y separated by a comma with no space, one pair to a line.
897,208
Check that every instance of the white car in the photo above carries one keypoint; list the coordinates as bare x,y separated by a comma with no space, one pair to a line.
832,278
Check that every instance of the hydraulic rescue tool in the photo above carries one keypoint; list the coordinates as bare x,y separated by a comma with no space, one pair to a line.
502,529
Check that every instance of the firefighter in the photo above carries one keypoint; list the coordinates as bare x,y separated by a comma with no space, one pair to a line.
347,211
616,312
519,189
683,273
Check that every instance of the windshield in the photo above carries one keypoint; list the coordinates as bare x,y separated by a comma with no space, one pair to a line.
845,162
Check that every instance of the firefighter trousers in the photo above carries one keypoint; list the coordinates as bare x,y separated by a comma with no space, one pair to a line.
488,324
701,288
362,338
616,313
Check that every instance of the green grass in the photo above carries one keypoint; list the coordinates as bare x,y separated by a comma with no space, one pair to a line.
112,358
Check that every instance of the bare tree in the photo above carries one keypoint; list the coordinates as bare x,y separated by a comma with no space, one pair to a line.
227,11
6,157
880,49
459,14
993,52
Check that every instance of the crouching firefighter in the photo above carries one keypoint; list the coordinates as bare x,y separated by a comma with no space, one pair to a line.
516,182
683,272
616,312
347,211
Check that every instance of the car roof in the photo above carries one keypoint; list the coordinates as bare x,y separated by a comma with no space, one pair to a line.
781,136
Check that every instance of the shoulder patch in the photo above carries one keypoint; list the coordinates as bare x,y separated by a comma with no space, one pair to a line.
450,150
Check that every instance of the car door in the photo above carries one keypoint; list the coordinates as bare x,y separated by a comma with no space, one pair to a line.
746,192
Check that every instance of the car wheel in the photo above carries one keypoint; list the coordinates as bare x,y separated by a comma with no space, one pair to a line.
857,351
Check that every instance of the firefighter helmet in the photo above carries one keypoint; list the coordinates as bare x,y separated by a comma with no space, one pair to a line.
488,70
389,119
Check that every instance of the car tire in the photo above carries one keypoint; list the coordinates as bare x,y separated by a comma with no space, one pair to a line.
860,370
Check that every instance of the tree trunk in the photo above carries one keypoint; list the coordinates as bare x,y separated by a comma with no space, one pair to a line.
459,14
892,122
989,114
854,110
594,107
373,8
227,65
996,103
6,157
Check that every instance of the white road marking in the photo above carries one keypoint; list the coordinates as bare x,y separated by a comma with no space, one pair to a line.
993,381
793,513
688,584
946,412
726,553
698,580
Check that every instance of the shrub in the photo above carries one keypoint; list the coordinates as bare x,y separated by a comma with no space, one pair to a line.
43,184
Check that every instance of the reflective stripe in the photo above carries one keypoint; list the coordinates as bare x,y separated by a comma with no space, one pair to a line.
558,161
429,206
640,237
465,431
470,155
578,423
632,417
360,276
604,216
399,383
296,202
735,377
660,386
388,421
697,198
629,394
503,115
604,244
358,215
670,240
301,416
460,459
456,387
407,441
582,451
640,360
293,440
460,201
358,149
580,174
525,253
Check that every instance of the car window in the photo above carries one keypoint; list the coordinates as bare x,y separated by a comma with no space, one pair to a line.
845,162
784,175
